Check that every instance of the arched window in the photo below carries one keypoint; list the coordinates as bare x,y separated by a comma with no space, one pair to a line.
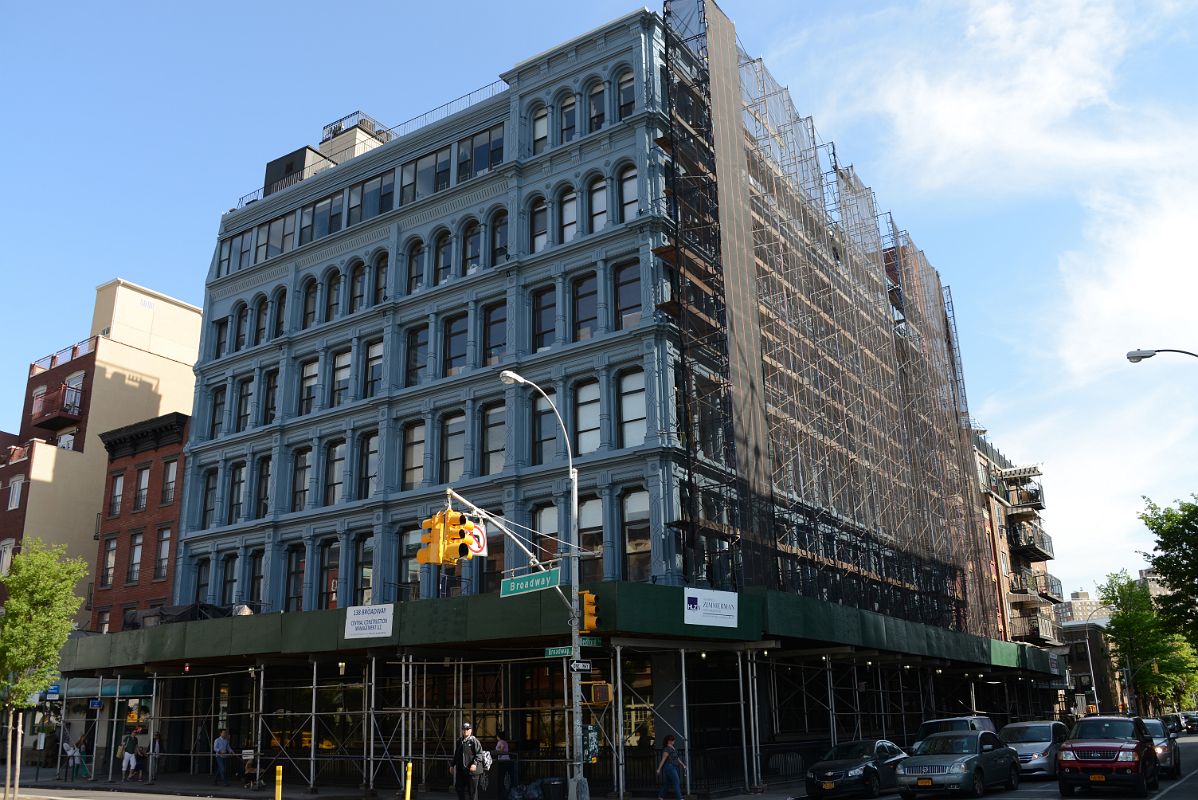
632,415
567,217
586,417
544,522
309,318
442,259
540,130
626,95
590,538
241,327
380,278
569,119
629,202
332,297
415,266
597,205
261,313
634,524
626,290
493,436
585,307
538,226
301,474
357,289
368,465
334,472
295,578
472,251
596,111
280,324
412,468
203,575
330,569
453,447
499,238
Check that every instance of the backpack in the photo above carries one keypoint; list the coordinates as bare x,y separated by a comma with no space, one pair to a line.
484,759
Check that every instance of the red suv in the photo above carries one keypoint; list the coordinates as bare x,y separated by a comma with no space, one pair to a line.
1114,752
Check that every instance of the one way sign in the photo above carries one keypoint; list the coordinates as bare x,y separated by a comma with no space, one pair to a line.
580,666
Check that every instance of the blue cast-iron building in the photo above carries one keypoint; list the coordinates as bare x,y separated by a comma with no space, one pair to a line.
759,376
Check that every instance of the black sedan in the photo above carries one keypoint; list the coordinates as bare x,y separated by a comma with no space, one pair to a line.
865,767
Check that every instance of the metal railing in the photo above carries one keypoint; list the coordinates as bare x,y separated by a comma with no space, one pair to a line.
65,399
1040,626
1049,585
403,129
63,356
1026,535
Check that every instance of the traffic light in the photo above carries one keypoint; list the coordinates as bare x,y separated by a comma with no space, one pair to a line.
433,551
459,535
590,614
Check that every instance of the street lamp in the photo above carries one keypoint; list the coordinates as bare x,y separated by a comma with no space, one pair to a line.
1136,356
577,781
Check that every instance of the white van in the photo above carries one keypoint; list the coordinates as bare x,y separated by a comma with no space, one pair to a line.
974,723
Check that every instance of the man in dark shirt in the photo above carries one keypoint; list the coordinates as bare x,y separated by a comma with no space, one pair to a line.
464,767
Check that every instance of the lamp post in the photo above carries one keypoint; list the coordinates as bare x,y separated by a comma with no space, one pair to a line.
577,781
1136,356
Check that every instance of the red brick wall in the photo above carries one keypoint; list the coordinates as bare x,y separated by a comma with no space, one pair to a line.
146,590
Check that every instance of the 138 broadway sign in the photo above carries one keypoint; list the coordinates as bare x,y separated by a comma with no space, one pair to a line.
368,622
705,607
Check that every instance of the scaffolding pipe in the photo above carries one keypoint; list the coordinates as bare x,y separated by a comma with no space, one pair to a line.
620,722
686,724
62,725
374,676
312,744
831,698
744,747
260,679
152,759
116,701
882,703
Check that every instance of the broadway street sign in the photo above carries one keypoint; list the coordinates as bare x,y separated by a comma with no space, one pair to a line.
532,582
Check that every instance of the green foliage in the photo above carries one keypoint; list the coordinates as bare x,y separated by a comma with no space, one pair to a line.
1161,662
1175,557
38,617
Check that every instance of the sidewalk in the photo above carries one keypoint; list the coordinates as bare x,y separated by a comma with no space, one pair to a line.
176,785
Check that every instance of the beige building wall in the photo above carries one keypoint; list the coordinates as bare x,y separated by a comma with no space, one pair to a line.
147,320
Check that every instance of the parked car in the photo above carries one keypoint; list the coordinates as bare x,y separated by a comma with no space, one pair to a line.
865,766
928,727
1174,723
1191,720
958,761
1036,743
1168,753
1108,752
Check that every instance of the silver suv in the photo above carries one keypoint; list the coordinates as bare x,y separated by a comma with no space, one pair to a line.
1036,742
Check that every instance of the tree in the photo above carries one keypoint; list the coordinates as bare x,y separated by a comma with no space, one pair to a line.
1175,558
1158,664
38,617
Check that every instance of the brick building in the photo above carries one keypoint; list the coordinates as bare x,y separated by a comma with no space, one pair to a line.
139,522
135,363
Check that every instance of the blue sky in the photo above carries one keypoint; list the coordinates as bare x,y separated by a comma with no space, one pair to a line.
1041,153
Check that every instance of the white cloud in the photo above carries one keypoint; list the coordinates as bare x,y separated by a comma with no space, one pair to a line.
1053,101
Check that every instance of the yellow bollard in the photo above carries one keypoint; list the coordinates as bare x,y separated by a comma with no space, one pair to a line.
279,782
407,784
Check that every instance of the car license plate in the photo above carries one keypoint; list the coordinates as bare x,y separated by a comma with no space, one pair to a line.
924,782
1098,778
828,785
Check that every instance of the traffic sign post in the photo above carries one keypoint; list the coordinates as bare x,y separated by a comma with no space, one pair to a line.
532,582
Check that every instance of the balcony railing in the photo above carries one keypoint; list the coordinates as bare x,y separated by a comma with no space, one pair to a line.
1040,627
139,499
57,408
168,493
1027,496
62,356
1050,587
1031,540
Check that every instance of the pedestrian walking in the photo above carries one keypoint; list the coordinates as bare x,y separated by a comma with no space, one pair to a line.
670,769
129,747
223,750
464,765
